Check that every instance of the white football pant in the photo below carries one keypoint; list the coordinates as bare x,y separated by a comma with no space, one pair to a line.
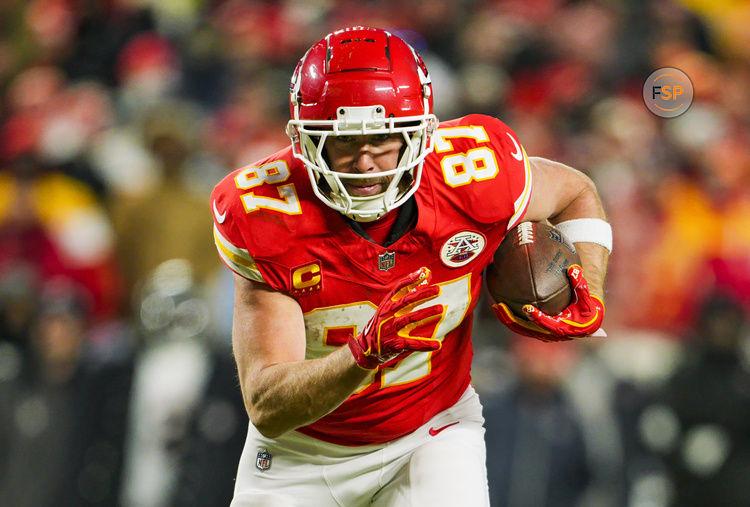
442,467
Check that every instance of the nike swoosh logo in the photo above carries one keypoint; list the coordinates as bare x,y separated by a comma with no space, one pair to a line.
219,217
434,431
518,155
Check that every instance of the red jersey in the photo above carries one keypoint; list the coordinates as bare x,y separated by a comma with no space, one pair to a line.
270,227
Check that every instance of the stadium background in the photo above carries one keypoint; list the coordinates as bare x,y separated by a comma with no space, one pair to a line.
118,116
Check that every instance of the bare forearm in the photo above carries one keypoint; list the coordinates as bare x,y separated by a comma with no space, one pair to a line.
594,257
594,260
285,396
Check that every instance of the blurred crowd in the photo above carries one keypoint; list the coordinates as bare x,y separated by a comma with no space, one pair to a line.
117,385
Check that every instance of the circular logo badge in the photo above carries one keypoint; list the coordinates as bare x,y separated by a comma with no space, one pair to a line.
668,92
462,248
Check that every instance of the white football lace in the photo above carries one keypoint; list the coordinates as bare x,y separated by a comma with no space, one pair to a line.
525,233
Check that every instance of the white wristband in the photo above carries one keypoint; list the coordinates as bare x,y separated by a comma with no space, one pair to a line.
587,230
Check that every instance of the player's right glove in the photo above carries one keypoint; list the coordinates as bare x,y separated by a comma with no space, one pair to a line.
390,332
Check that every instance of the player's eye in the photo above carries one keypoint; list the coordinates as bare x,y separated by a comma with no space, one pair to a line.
353,142
380,138
346,142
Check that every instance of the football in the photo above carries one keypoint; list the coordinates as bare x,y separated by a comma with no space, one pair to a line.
530,267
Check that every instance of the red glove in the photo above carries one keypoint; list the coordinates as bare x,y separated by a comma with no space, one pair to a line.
581,318
388,333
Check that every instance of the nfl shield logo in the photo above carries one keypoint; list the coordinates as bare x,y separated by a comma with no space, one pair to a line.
263,461
386,261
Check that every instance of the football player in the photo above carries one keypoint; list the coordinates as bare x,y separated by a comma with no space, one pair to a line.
358,255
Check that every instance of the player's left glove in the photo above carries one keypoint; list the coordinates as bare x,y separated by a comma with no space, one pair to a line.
581,318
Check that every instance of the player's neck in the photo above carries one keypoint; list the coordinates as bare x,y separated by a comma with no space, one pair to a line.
379,229
391,227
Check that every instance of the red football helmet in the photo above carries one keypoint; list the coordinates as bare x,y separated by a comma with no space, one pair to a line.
361,81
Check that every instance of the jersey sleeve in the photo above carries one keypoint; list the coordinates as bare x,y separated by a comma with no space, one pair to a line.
228,239
236,258
517,172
